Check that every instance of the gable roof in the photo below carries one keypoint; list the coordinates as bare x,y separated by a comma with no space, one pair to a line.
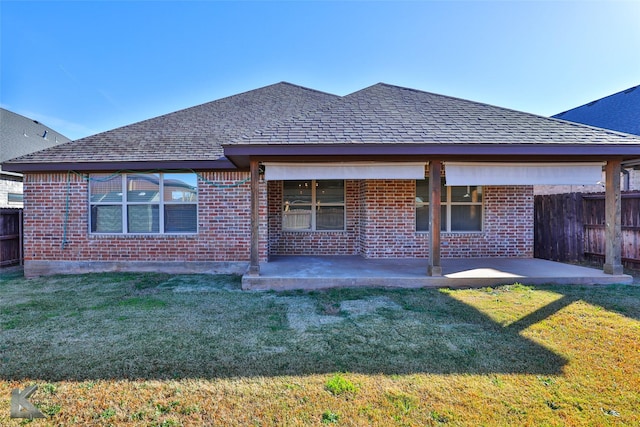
378,121
193,135
20,135
620,112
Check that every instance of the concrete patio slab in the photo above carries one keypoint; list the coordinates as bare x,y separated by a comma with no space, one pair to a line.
320,272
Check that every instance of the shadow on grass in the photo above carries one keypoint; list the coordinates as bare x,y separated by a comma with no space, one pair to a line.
145,326
621,299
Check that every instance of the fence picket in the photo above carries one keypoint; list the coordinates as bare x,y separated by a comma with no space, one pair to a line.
10,237
571,227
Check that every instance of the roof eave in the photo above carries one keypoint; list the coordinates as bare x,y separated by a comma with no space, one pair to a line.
218,164
240,154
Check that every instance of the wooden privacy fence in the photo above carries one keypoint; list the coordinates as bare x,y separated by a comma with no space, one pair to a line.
571,227
10,237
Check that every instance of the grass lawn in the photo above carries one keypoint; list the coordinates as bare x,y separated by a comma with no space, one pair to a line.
161,350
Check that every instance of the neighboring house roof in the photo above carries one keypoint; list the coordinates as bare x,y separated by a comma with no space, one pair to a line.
193,134
21,135
289,120
620,112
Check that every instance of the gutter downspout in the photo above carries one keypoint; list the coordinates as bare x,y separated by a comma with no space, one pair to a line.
626,179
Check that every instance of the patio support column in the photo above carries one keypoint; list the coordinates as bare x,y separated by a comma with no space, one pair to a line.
434,268
613,207
254,264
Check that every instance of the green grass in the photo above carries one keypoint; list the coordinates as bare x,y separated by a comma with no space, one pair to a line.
154,349
338,385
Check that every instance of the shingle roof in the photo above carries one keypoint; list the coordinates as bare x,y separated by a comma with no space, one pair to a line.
20,135
194,133
620,111
386,114
281,118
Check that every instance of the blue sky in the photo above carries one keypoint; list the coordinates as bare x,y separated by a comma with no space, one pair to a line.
83,67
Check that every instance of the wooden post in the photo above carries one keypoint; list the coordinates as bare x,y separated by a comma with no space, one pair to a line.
254,264
434,268
613,207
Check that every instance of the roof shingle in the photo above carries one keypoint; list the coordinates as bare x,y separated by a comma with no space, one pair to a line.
284,115
386,114
620,111
21,135
194,133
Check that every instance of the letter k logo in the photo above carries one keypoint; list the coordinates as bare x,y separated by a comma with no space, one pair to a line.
21,407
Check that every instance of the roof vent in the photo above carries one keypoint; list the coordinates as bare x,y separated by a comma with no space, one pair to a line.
44,135
631,89
592,103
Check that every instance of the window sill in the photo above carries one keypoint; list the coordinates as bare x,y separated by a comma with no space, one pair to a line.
284,230
454,233
138,235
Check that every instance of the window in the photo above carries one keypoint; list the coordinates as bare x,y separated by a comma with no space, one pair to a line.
461,207
15,198
313,205
144,203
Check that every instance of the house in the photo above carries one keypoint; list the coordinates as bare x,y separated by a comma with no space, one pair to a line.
20,135
383,173
619,112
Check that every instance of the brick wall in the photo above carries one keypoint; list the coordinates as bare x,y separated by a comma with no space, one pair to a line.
224,218
508,227
381,223
313,243
388,212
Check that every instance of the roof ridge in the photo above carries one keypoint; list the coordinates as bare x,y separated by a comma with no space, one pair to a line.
520,111
310,89
182,110
278,122
206,125
470,101
482,108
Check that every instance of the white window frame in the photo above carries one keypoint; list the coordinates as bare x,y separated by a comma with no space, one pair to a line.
314,205
161,203
446,221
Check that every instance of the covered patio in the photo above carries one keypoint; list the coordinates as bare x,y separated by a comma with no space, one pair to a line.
322,272
394,140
